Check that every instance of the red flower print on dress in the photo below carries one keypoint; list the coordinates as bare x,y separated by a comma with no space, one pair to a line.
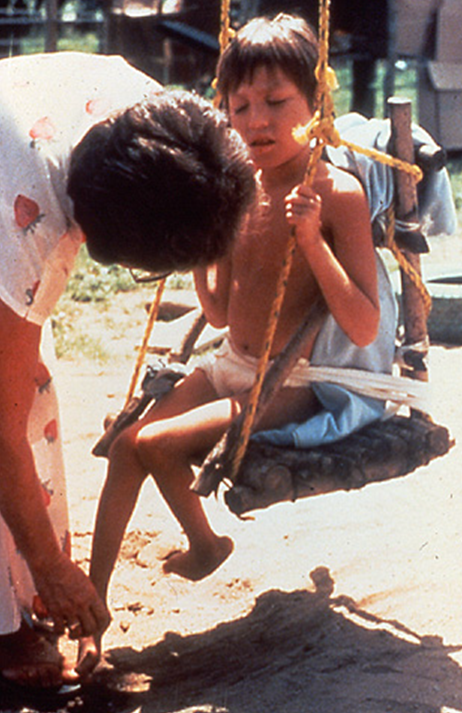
51,431
42,129
27,213
31,292
46,494
97,107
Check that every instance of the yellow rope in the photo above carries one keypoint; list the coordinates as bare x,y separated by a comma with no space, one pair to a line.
404,263
329,135
153,312
321,129
226,33
324,102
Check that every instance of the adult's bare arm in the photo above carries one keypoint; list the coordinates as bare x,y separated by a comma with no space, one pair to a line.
66,592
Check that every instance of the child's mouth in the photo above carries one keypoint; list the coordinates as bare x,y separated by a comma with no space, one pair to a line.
258,143
261,146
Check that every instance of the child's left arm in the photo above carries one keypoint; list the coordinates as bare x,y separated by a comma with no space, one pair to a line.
212,286
346,271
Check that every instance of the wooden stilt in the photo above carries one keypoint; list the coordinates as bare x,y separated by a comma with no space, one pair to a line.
414,312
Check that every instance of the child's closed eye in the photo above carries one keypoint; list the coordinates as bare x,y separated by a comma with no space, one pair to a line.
275,102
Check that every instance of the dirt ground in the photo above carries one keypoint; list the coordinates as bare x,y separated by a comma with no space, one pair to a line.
339,603
342,603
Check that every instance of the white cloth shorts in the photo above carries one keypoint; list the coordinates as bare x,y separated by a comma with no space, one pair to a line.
231,372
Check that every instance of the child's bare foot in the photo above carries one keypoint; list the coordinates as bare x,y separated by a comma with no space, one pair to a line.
196,564
28,659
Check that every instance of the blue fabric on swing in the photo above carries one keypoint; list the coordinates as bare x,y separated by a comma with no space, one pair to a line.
342,410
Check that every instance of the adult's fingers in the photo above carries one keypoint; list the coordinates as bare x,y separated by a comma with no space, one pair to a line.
93,620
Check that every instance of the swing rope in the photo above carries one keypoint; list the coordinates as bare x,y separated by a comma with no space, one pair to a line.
152,317
323,115
414,276
319,131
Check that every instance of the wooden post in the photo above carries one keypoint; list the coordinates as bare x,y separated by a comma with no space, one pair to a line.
414,313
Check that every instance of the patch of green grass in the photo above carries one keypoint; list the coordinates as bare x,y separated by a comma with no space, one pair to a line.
69,39
71,342
405,85
92,282
86,309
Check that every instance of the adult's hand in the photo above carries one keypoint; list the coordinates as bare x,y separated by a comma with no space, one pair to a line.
70,598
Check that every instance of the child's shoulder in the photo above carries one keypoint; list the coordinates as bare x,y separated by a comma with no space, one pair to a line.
337,181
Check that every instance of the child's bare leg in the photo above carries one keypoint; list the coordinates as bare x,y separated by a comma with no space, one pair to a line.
207,550
167,448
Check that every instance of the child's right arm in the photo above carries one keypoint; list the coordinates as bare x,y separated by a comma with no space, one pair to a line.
212,284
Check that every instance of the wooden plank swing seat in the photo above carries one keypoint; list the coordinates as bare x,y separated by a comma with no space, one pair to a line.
381,451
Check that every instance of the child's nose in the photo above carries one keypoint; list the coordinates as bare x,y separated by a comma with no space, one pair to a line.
258,117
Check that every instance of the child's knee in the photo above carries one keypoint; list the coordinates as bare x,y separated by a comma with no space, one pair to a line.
124,446
155,447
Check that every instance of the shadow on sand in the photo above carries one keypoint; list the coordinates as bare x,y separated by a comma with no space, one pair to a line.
295,652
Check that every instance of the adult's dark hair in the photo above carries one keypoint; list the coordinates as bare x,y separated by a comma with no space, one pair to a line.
286,41
163,185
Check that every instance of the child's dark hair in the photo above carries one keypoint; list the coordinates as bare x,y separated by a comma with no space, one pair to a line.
162,186
286,41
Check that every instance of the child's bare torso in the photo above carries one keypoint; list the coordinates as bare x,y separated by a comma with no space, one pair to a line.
257,262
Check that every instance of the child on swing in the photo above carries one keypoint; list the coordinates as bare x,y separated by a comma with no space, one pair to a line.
266,78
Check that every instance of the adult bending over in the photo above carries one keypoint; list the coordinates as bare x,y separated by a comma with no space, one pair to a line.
90,148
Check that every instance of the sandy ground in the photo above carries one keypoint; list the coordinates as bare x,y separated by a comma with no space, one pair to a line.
343,603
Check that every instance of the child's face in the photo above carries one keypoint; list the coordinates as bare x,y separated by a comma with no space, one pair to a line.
265,111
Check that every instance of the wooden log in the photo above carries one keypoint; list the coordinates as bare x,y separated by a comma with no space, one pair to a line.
382,451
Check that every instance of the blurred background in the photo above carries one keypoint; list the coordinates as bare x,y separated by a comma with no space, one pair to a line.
378,47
